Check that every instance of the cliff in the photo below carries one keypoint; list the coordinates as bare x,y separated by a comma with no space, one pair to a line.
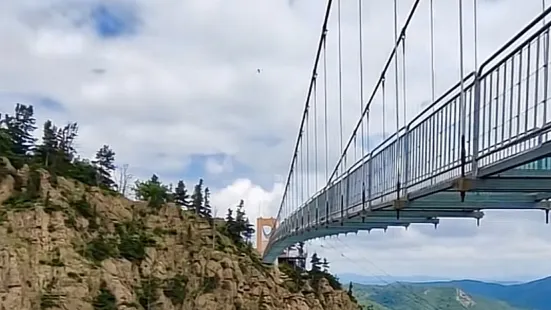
65,245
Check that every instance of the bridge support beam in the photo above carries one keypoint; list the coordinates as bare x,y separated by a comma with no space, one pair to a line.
505,184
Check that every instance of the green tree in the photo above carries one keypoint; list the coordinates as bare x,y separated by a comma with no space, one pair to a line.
46,150
325,265
20,129
181,196
197,198
81,170
66,139
105,164
316,263
206,211
229,216
152,191
6,143
244,228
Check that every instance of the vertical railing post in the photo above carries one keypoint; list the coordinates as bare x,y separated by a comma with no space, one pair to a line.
317,213
363,199
475,121
405,162
370,181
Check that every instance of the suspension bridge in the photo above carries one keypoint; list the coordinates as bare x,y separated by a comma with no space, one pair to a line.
482,144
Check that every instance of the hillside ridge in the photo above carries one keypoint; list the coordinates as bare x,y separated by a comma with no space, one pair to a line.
68,245
402,296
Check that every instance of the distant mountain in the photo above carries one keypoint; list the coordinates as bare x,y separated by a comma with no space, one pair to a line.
534,295
346,278
419,297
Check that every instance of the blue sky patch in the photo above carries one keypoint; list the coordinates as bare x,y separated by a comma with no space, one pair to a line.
50,104
111,21
9,99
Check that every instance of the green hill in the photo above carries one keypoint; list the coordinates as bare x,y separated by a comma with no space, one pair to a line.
530,295
417,297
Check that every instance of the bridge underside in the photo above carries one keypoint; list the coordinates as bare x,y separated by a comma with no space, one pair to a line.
455,198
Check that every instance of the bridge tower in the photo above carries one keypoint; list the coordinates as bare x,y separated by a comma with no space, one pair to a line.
263,231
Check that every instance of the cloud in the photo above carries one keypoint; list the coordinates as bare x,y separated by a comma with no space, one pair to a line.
173,87
259,202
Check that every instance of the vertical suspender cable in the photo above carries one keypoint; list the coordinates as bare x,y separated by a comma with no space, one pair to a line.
301,165
405,141
398,150
396,65
316,131
543,5
340,80
307,157
384,106
404,78
475,17
462,96
325,106
361,74
432,88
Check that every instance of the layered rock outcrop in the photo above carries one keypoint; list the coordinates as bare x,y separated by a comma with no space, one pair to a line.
77,247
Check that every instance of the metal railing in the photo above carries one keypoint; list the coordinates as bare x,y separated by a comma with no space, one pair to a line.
506,114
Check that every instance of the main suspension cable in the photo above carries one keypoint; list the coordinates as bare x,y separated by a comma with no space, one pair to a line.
314,70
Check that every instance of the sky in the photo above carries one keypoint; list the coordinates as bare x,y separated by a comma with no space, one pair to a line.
173,87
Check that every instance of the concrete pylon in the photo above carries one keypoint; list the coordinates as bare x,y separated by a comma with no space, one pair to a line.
264,227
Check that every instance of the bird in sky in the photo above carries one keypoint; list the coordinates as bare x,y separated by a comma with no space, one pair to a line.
257,70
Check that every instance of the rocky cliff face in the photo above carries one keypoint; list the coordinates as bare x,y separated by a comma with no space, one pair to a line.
67,246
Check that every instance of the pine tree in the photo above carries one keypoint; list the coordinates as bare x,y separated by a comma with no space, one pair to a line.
66,138
197,197
229,216
152,191
231,226
6,143
20,128
206,210
47,150
325,265
105,163
244,228
181,197
316,264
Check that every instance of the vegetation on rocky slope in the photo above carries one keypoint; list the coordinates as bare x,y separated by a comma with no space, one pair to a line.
400,296
70,239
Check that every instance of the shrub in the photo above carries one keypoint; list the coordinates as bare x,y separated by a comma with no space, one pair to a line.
100,248
105,300
175,289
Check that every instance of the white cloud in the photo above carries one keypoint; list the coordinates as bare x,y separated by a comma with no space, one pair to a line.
214,166
186,84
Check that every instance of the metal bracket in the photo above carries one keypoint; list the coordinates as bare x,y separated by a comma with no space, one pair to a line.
399,204
463,184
